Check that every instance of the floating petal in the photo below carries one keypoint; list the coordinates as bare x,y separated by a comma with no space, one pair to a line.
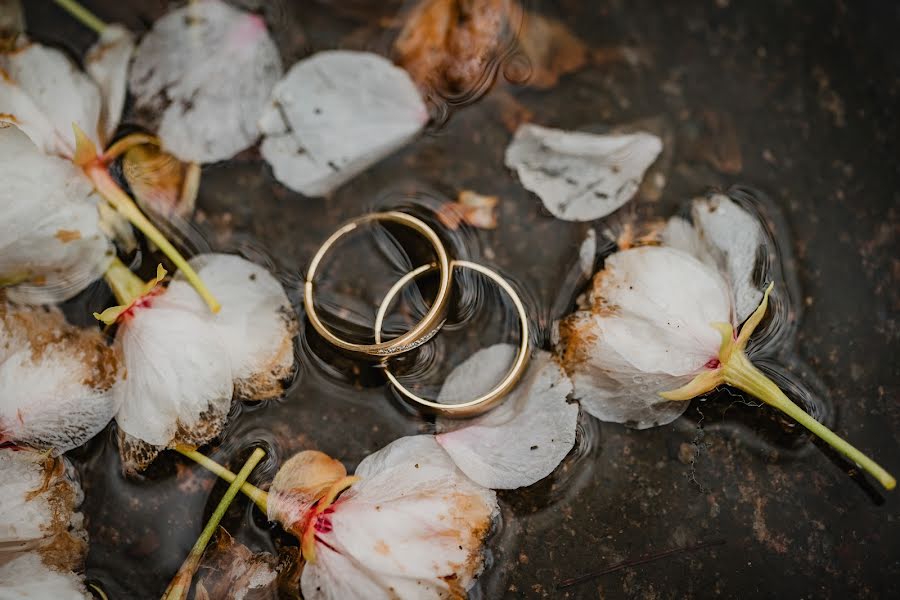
51,242
27,576
299,483
208,69
107,63
581,176
336,113
56,380
525,438
412,527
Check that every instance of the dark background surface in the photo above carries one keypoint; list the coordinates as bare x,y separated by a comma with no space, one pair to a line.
812,90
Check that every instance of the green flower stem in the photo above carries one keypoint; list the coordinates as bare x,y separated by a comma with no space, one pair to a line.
125,285
82,14
113,194
740,373
259,497
181,584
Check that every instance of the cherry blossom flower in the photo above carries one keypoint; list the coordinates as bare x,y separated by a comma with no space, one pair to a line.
56,380
524,439
581,176
661,329
185,364
42,537
335,114
207,69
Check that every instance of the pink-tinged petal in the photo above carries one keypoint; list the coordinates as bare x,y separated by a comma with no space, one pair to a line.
413,526
336,113
299,484
43,93
107,63
56,380
207,69
581,176
525,438
51,242
38,509
648,330
257,323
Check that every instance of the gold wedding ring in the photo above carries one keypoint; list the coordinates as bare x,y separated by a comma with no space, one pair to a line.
425,329
489,399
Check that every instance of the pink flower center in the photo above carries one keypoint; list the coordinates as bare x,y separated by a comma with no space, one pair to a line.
145,301
322,522
713,363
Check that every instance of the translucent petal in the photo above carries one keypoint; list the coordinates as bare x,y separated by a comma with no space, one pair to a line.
525,438
412,527
336,113
179,380
56,380
581,176
44,93
257,324
50,236
648,330
207,69
107,63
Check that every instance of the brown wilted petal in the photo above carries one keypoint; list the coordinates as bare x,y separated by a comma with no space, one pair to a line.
552,49
162,184
230,570
471,208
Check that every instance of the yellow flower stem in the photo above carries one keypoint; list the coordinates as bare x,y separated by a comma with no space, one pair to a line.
113,194
259,497
180,586
740,373
86,17
125,285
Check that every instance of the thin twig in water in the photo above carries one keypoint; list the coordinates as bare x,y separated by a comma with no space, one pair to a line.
633,562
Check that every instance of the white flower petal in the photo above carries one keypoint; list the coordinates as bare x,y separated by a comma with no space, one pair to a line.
257,323
725,236
27,576
336,113
107,63
179,376
50,237
524,439
208,68
56,380
648,330
38,508
44,93
581,176
412,527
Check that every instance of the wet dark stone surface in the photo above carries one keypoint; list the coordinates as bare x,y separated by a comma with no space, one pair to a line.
812,91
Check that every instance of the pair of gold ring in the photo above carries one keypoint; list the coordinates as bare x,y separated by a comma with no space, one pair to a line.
430,324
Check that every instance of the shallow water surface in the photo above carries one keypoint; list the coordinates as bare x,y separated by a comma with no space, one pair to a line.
807,94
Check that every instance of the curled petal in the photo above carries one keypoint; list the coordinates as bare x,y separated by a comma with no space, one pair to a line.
230,570
299,484
581,176
412,526
335,114
207,68
525,438
107,63
56,380
51,243
257,324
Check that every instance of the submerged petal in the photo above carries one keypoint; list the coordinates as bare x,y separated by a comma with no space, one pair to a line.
44,93
412,527
179,384
107,63
230,570
648,331
56,380
727,237
257,324
39,496
207,68
336,113
51,243
525,438
581,176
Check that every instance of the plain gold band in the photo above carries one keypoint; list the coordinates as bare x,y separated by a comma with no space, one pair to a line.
425,329
488,400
